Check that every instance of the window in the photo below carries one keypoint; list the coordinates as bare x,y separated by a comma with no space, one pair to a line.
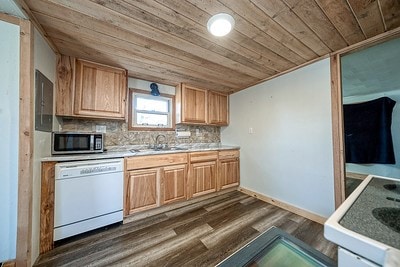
149,112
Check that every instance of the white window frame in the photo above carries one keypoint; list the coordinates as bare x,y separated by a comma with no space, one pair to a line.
134,94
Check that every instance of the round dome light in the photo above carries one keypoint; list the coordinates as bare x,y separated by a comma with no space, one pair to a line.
220,24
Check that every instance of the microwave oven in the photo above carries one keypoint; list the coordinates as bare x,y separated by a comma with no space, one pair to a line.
76,143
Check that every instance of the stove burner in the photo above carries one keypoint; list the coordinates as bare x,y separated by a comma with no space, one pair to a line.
393,187
390,186
389,217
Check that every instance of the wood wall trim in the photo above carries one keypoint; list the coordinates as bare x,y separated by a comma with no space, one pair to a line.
47,206
9,19
9,264
369,42
337,110
304,213
337,131
25,161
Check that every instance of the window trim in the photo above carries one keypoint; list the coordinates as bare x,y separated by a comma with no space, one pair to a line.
131,113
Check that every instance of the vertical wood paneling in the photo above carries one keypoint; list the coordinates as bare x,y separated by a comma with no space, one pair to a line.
337,131
25,144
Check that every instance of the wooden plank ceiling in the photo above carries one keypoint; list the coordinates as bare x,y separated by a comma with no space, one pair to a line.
166,41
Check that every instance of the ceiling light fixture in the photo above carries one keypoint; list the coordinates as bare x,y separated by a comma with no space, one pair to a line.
220,24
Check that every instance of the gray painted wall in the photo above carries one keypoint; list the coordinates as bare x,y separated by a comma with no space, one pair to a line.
9,119
289,155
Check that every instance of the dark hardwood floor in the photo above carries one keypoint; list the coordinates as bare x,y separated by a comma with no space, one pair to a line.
200,234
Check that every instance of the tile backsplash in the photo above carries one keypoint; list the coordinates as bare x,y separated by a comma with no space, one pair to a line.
117,133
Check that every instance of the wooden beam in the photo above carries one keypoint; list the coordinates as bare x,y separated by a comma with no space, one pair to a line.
370,41
9,19
337,131
25,161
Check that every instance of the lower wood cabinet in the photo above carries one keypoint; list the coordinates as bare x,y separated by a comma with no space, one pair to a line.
152,181
142,190
203,178
228,173
202,173
173,183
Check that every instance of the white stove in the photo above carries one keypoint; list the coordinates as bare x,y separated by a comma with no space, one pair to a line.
366,227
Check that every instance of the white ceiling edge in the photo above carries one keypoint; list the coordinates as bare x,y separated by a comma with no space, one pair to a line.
10,7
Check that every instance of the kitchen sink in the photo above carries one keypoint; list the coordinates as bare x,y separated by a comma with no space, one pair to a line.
169,148
158,149
389,217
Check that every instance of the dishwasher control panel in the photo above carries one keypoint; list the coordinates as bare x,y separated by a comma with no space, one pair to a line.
88,167
98,169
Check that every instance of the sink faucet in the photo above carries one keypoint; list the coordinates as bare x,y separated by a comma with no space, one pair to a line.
157,145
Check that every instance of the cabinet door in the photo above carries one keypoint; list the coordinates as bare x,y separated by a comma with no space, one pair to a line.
100,91
173,183
229,173
218,113
202,178
194,105
142,190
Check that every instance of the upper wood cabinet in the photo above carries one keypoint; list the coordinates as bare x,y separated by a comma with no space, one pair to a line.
87,89
218,108
191,105
201,106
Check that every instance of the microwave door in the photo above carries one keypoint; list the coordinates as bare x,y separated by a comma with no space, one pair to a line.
72,142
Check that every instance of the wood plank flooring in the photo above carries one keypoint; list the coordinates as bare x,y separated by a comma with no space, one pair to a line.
199,234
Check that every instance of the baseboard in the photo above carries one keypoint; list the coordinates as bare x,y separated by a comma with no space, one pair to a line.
8,264
304,213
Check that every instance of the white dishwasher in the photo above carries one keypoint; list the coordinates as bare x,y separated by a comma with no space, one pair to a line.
88,195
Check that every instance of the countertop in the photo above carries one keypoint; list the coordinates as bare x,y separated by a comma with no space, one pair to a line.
132,151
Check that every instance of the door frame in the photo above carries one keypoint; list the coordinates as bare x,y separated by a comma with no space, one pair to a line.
337,109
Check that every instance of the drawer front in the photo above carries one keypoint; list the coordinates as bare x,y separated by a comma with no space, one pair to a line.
203,156
228,154
142,162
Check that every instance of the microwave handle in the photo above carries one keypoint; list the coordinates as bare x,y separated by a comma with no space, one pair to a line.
91,142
